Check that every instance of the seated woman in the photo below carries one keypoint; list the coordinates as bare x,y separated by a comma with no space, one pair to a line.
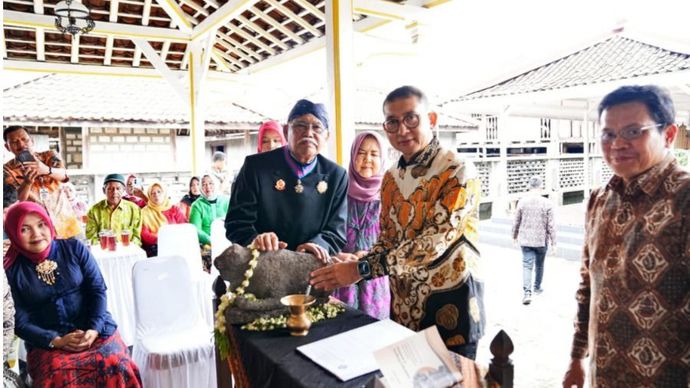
270,136
363,208
157,212
191,196
205,210
60,303
80,208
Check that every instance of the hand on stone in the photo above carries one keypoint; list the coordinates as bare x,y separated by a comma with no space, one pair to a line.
320,252
335,276
343,257
266,242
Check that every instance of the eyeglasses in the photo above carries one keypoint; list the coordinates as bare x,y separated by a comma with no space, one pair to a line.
632,133
303,126
410,120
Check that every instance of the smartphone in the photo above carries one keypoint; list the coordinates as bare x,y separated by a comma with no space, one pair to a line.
25,156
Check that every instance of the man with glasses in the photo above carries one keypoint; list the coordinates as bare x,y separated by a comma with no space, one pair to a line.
633,318
113,213
292,197
429,220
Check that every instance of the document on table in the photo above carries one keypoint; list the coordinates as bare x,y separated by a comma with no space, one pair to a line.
419,361
351,354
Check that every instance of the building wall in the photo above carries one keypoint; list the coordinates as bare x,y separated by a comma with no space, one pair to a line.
131,149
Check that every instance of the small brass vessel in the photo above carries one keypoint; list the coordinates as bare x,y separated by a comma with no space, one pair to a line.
298,323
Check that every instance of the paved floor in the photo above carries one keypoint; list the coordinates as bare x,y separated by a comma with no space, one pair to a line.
542,331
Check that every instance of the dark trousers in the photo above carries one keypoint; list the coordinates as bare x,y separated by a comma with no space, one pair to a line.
532,258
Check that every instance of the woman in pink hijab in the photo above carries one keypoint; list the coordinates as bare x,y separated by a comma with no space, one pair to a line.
270,136
363,208
61,307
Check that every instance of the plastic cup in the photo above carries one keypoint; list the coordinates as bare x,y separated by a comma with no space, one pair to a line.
112,241
103,239
124,237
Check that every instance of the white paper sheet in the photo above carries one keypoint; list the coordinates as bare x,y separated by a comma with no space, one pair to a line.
419,361
351,354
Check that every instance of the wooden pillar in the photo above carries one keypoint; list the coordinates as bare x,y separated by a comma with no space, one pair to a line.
340,78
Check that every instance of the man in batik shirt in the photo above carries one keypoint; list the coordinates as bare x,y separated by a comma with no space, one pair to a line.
633,315
114,213
37,176
427,244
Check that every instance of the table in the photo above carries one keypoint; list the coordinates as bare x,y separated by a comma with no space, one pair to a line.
270,359
116,267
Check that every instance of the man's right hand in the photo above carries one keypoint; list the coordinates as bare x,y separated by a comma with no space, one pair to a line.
30,175
575,375
266,242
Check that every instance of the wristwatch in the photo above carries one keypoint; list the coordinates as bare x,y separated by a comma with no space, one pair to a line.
364,269
50,345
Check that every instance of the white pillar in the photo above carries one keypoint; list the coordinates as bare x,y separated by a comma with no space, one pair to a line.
199,58
340,78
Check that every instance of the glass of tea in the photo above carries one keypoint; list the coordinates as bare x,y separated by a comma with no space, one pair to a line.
112,241
103,239
124,237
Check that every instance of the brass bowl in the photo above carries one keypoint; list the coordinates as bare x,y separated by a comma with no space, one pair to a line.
298,323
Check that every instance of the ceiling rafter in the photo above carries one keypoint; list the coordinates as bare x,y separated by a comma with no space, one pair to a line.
251,38
136,59
230,59
14,18
231,48
220,17
239,46
165,49
250,25
75,49
311,8
390,11
114,9
185,58
40,44
276,24
221,64
38,6
176,14
146,13
295,18
108,50
196,7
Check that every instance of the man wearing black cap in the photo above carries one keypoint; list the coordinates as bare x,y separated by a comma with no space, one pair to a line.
113,213
292,197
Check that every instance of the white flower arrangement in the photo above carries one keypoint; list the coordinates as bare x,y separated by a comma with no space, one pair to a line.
227,300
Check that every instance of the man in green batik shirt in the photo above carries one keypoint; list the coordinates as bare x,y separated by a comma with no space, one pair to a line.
113,213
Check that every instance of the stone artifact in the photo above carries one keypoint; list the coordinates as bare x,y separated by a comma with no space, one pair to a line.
277,274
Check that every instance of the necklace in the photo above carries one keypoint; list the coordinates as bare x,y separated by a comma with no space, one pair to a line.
46,271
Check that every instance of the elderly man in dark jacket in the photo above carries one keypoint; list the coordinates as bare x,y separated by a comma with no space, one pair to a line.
292,197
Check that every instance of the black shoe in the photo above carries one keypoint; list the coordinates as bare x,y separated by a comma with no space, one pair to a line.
527,299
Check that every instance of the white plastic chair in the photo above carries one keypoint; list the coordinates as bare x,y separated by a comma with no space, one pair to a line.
173,346
219,242
182,240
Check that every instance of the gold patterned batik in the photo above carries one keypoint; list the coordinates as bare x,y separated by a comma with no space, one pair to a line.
427,244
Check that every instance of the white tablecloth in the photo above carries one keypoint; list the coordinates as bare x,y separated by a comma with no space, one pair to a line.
116,268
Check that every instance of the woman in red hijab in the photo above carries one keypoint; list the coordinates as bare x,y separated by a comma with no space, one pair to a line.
270,136
60,303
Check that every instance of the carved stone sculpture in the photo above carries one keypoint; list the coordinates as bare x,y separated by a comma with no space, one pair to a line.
277,274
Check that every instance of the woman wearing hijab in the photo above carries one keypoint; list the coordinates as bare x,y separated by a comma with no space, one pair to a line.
270,136
205,210
363,209
158,211
60,303
79,206
192,195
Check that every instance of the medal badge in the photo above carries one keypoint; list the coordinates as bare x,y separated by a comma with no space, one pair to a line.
322,187
299,188
280,185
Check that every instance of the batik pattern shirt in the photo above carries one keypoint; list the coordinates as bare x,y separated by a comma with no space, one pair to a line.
427,245
634,298
126,216
534,225
46,191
